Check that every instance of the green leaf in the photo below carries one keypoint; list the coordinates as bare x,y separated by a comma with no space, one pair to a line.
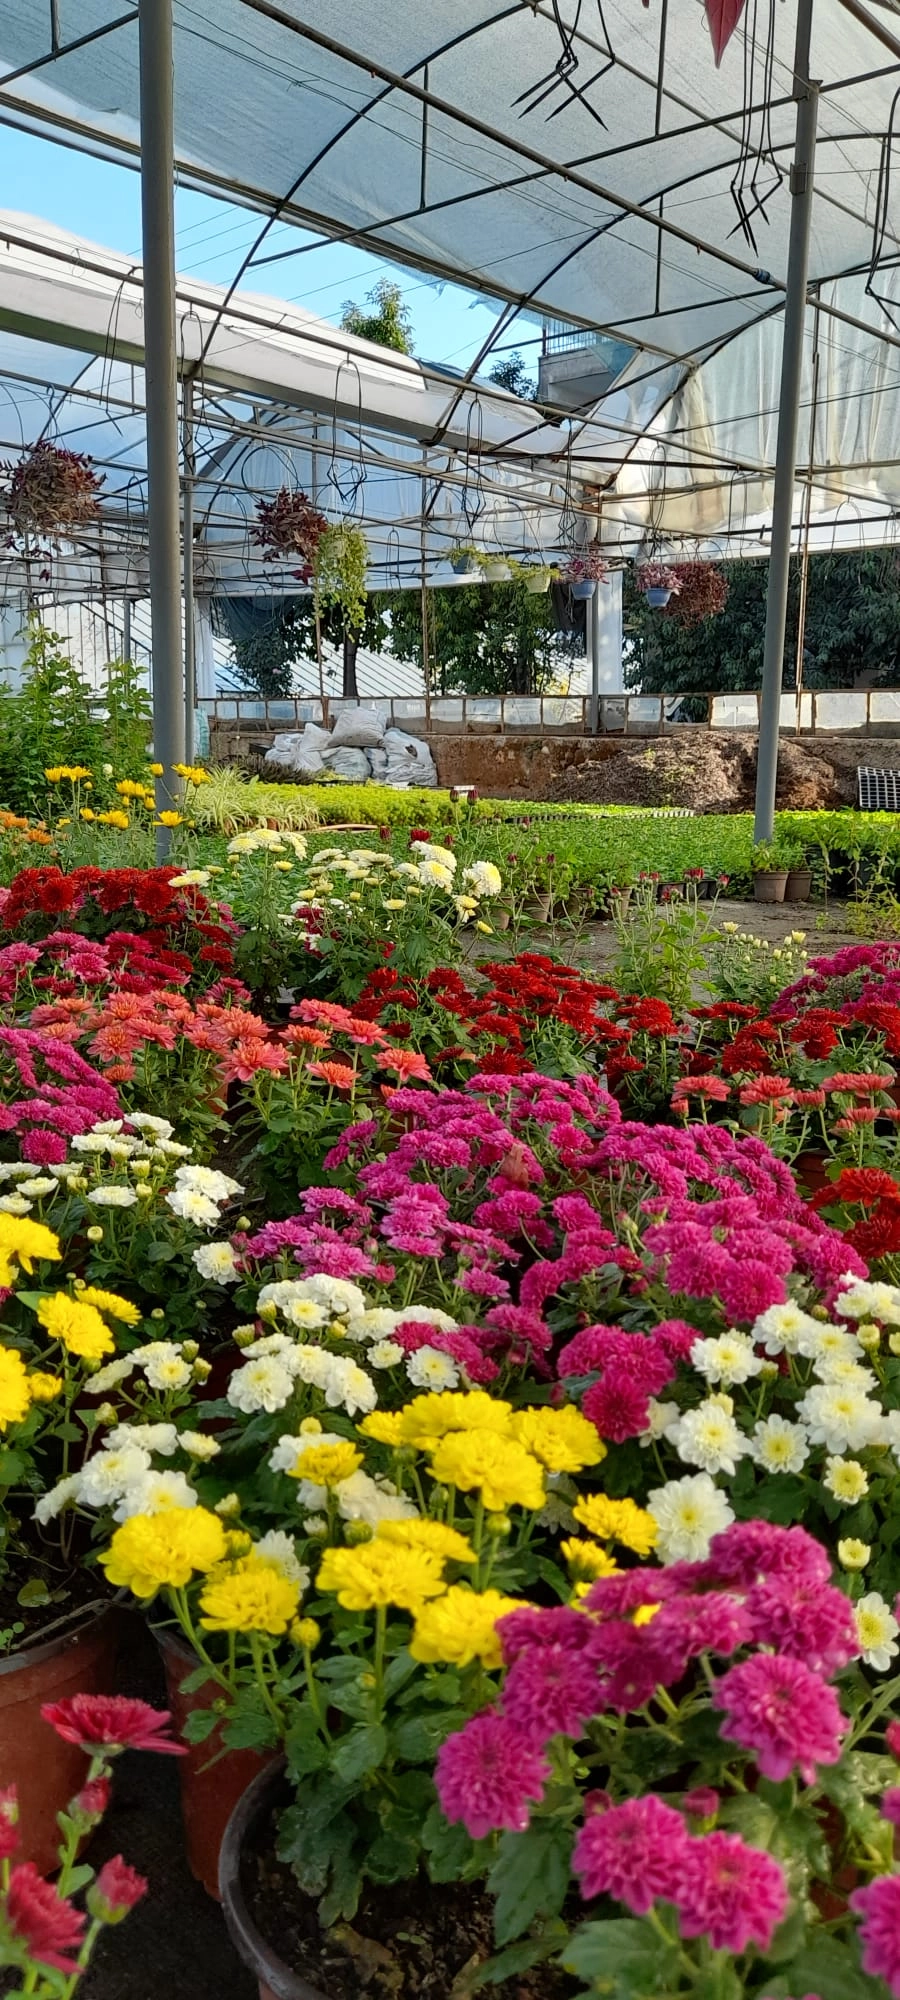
622,1957
450,1849
507,1964
79,1878
419,1738
248,1725
33,1594
530,1877
199,1725
829,1970
363,1750
393,1857
398,1673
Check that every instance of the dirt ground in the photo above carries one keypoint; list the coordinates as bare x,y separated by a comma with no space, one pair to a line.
715,771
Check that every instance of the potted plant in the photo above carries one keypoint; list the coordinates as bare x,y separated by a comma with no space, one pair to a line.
659,581
584,571
537,578
287,526
770,873
701,592
339,571
464,559
799,881
496,568
50,488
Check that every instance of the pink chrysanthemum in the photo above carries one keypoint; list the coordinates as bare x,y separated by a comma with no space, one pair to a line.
551,1691
879,1933
806,1619
784,1713
556,1626
636,1852
43,1920
749,1551
112,1722
733,1894
618,1406
488,1774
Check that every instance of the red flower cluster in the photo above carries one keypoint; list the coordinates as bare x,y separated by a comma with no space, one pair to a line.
877,1193
90,898
496,1023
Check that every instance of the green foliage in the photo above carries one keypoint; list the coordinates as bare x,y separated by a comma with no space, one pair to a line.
232,801
56,718
513,375
341,563
485,639
852,629
268,659
388,320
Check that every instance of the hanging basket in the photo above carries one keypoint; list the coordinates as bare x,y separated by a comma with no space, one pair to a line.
537,582
584,588
496,572
657,597
465,565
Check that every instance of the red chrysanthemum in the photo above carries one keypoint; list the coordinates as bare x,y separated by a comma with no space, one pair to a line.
112,1722
49,1926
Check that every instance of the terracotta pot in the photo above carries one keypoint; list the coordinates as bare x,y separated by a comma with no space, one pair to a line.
799,884
769,887
538,907
212,1780
811,1169
500,920
47,1772
276,1980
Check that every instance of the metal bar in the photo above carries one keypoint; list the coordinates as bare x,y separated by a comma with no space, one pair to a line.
187,559
805,523
57,49
158,229
126,630
54,27
592,637
807,95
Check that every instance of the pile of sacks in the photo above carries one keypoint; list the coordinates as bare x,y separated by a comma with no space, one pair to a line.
362,748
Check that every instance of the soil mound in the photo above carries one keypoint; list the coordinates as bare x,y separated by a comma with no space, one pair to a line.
716,772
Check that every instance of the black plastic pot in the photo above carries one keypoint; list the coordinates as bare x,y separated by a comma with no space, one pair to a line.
276,1980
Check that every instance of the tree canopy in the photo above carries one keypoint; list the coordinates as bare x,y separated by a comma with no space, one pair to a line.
388,320
484,638
512,374
852,629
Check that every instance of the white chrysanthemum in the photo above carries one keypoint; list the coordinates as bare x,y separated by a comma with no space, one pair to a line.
846,1479
198,1445
662,1416
688,1513
291,1298
192,1206
384,1354
841,1417
360,1498
111,1375
429,1316
36,1189
433,876
820,1342
112,1197
14,1204
208,1181
121,1149
193,878
779,1446
729,1358
485,879
708,1437
155,1493
877,1629
338,1295
780,1328
343,1383
63,1494
427,850
833,1368
429,1369
146,1121
13,1170
279,1550
110,1473
316,1526
861,1300
271,1343
217,1263
262,1384
161,1438
163,1364
377,1323
169,1149
88,1142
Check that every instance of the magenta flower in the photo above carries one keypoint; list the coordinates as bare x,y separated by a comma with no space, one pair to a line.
733,1894
487,1775
806,1619
618,1406
784,1713
688,1626
890,1805
749,1551
551,1691
879,1933
637,1852
557,1626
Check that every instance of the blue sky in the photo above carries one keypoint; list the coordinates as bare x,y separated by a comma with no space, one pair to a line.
102,202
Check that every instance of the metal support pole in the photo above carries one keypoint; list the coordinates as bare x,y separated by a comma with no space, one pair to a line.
592,628
187,542
158,228
807,96
126,629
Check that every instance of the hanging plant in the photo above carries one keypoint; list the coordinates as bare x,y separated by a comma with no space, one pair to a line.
702,592
50,488
288,526
658,576
342,560
585,570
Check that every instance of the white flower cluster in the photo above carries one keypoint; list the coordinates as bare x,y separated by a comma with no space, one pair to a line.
340,1306
197,1195
121,1475
430,867
358,1498
267,840
276,1363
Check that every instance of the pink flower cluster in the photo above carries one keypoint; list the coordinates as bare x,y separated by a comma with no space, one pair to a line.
641,1852
50,1093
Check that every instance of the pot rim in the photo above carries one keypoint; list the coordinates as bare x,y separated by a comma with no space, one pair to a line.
251,1946
77,1623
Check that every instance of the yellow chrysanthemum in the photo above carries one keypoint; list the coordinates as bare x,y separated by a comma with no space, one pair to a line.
44,1388
306,1632
115,818
111,1303
427,1418
77,1326
26,1240
151,1551
502,1471
587,1559
424,1533
461,1627
255,1598
15,1394
385,1426
378,1573
130,788
168,819
617,1521
157,770
327,1464
563,1440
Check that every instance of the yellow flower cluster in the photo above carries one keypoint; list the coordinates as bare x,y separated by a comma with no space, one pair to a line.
479,1443
151,1551
79,1327
501,1471
380,1573
25,1241
74,772
327,1464
617,1521
461,1627
18,1390
114,818
111,1303
252,1597
193,774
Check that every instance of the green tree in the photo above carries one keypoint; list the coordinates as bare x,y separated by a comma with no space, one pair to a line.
513,375
266,660
485,639
852,633
388,320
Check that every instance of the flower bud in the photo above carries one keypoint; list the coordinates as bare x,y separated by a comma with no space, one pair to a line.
94,1233
244,1335
79,1284
190,1350
869,1336
140,1169
894,1343
89,1805
144,1191
768,1371
115,1891
107,1414
310,1427
228,1505
243,1223
157,1313
268,1310
305,1633
853,1554
202,1371
357,1532
498,1525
